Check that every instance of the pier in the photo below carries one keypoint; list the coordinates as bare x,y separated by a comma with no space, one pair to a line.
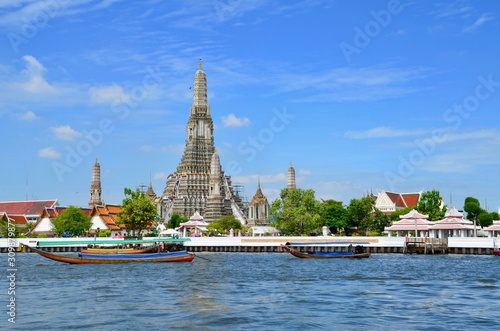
375,245
426,246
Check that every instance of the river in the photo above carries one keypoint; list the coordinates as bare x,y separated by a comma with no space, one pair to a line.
262,291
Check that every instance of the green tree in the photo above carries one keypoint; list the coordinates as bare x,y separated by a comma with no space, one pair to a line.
175,221
495,216
59,226
431,203
224,224
485,218
359,212
10,230
380,221
296,212
394,217
473,209
334,214
73,221
138,213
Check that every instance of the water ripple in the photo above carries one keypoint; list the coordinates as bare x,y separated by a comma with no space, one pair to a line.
263,291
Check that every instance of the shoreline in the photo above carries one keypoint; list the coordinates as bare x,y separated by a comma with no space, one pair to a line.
271,244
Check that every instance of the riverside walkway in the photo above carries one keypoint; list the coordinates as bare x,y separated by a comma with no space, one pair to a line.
271,244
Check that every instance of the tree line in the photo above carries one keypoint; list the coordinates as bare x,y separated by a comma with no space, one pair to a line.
296,212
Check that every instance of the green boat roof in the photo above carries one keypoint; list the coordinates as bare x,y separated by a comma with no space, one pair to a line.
92,241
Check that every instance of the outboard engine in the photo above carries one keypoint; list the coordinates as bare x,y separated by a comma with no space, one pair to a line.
359,249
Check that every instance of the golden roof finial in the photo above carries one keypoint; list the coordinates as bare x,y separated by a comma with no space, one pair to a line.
200,65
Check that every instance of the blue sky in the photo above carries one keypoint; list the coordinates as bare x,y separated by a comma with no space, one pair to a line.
361,96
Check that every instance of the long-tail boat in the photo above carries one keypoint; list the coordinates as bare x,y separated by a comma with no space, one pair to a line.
358,253
105,251
180,256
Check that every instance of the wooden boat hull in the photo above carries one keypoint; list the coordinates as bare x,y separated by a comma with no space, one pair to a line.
106,251
134,256
325,255
110,259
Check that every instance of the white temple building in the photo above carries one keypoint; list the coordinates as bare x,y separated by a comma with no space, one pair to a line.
412,222
194,227
493,230
452,225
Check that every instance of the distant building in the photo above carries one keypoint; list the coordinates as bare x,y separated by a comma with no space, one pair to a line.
105,217
45,224
452,225
389,202
22,213
258,209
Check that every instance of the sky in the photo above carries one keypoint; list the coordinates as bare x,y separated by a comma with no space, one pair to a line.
360,96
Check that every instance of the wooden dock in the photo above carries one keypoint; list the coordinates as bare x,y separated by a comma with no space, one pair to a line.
425,246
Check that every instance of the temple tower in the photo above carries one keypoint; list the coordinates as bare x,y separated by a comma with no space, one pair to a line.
291,178
215,201
199,174
150,193
95,186
258,209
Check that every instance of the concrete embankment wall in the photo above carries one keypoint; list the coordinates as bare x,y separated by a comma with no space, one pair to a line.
272,244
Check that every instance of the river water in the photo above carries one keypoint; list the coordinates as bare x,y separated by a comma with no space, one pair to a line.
263,291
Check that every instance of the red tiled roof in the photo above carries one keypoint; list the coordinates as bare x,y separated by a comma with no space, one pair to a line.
51,212
87,211
108,213
404,199
411,200
113,209
110,223
18,219
34,207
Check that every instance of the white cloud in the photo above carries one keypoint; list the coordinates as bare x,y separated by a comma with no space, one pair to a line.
264,179
490,135
232,121
173,149
159,176
29,116
351,84
49,153
35,83
113,94
480,21
305,172
65,132
28,10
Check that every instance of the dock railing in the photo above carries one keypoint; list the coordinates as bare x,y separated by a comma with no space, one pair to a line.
425,245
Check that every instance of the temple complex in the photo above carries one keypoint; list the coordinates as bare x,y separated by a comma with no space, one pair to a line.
199,183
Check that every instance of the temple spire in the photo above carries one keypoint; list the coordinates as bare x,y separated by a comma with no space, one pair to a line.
200,102
291,178
95,185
